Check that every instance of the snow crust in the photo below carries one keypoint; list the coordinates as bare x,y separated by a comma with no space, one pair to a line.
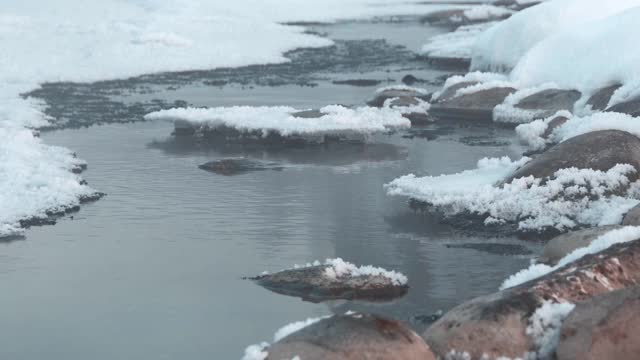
336,119
545,325
605,241
501,47
570,198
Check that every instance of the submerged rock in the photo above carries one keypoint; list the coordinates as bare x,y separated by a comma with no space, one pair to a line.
494,248
605,327
358,82
477,106
352,337
336,279
237,166
598,150
564,244
632,217
600,99
496,325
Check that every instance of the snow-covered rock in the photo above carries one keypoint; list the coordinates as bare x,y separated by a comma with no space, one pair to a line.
335,279
564,244
454,48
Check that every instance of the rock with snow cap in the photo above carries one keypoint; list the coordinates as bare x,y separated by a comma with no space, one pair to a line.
352,337
600,99
543,104
405,93
631,107
632,217
598,150
462,16
564,244
336,279
475,106
499,324
604,327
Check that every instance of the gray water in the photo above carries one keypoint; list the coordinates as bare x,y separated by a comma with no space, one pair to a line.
154,270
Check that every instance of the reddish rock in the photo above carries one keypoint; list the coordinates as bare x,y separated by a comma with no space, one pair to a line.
496,324
564,244
605,327
352,337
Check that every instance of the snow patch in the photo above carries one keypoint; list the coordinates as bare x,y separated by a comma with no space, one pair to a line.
545,325
605,241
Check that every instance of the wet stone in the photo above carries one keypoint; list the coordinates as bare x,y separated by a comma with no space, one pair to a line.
477,106
600,99
494,248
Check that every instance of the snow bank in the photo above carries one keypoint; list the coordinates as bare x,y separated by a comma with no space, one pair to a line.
457,44
265,119
545,325
502,46
75,40
617,236
572,197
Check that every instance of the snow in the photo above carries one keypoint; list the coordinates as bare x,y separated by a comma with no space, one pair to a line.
545,325
456,44
507,112
571,198
605,241
265,119
531,134
75,40
475,76
501,47
484,12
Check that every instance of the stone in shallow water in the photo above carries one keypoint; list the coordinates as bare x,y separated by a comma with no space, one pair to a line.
605,327
598,150
477,106
562,245
450,92
496,324
312,284
407,95
353,337
237,166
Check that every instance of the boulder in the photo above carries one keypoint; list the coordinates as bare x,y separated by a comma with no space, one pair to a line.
496,324
564,244
632,218
406,94
237,166
548,102
555,123
605,327
352,337
598,150
312,284
450,92
631,107
600,99
308,114
477,106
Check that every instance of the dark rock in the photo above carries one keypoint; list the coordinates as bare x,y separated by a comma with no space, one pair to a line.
358,82
496,324
494,248
236,166
311,284
631,107
600,99
410,80
548,102
407,94
353,337
632,218
447,62
564,244
483,141
605,327
450,92
555,123
598,150
477,106
308,114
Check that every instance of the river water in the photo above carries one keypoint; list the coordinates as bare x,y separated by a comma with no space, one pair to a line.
154,270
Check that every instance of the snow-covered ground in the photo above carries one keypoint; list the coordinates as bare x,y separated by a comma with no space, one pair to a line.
73,40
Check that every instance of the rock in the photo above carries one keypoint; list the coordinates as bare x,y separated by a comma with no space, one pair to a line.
564,244
605,327
312,284
450,92
494,248
555,123
407,95
477,106
358,82
410,80
598,150
496,324
352,337
632,218
548,102
236,166
308,114
600,99
457,17
631,107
